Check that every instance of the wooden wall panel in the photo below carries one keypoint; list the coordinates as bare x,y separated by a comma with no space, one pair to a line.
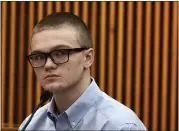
111,47
21,61
102,45
29,68
147,63
174,68
93,34
165,63
120,45
138,57
12,50
129,45
3,54
135,47
156,56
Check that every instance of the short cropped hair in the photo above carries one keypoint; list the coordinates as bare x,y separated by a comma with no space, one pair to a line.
59,19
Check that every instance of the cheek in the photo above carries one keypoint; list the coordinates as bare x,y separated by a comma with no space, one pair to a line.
72,69
38,73
67,71
75,69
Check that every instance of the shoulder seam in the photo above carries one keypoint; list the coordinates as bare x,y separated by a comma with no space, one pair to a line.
103,113
36,114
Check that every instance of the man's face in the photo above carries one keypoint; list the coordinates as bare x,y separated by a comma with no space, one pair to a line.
61,76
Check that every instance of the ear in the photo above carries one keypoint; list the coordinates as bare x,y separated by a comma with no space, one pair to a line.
89,57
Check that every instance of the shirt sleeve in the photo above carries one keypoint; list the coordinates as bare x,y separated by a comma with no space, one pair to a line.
23,123
130,127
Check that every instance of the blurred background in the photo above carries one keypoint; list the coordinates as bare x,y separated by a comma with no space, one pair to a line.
135,61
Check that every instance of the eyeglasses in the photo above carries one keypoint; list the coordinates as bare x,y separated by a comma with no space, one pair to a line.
57,56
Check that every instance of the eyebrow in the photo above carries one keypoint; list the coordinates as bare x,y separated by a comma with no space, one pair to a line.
53,48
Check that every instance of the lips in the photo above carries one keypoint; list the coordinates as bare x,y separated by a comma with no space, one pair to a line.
51,76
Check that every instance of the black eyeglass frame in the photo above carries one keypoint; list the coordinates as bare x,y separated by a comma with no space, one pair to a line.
49,55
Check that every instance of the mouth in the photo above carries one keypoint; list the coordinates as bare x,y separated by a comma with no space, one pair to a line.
51,76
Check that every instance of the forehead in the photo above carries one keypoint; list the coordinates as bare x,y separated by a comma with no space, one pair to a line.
47,40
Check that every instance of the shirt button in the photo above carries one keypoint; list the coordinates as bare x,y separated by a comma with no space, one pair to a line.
52,115
73,123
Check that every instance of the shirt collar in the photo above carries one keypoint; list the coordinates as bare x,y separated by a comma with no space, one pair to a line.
81,106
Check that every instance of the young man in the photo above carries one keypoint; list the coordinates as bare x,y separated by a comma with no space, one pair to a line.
61,57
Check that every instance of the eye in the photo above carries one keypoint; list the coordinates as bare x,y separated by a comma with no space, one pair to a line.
37,57
59,53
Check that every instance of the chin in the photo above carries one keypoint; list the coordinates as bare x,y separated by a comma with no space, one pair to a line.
54,87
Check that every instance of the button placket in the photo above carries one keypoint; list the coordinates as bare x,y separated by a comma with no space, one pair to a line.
62,123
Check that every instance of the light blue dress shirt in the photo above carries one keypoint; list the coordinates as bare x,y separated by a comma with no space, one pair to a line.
93,110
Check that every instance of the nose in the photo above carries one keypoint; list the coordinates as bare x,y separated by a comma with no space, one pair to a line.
50,64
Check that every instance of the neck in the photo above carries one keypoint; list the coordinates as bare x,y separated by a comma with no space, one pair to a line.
65,99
